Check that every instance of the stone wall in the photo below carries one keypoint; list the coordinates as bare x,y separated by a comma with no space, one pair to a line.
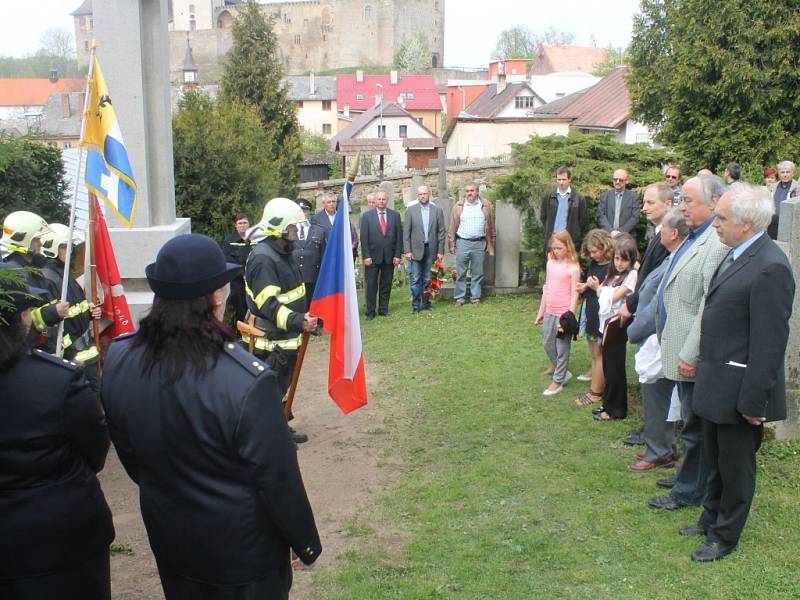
483,174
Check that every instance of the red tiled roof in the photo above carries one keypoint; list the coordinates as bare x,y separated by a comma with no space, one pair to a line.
423,87
605,105
556,59
35,92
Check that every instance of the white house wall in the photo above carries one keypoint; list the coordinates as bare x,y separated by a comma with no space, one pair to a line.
510,109
312,117
397,160
478,140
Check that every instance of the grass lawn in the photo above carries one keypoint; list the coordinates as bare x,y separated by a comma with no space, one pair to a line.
503,493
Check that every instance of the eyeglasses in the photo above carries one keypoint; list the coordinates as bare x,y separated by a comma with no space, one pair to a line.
672,176
619,179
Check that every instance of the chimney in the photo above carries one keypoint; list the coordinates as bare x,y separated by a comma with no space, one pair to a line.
393,77
65,112
311,87
346,111
501,83
359,76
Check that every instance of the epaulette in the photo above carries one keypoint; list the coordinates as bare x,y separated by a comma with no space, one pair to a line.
253,365
56,360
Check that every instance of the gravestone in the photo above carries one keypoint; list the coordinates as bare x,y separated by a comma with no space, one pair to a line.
388,187
789,240
507,246
410,194
133,52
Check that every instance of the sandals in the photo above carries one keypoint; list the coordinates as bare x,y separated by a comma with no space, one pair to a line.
601,416
589,398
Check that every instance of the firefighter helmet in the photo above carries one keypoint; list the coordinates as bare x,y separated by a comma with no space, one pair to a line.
20,228
278,214
55,235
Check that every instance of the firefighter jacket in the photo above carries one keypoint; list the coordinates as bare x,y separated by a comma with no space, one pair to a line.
276,296
77,341
44,317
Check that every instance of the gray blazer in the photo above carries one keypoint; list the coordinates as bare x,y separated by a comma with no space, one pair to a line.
644,321
629,213
684,293
414,237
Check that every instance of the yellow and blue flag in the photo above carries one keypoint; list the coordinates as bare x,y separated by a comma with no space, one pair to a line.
108,170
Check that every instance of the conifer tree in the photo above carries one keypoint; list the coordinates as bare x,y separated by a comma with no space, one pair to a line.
252,76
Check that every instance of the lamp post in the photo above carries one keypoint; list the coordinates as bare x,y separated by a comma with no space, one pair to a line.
380,123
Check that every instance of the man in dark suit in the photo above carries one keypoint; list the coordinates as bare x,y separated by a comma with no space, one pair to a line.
423,240
740,376
563,208
656,205
618,209
309,248
381,247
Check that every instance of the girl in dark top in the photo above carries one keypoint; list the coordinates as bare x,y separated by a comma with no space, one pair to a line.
598,247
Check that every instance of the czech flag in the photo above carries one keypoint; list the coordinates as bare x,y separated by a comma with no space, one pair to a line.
108,170
335,303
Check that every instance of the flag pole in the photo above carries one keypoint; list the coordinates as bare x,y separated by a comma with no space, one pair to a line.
68,257
93,206
301,353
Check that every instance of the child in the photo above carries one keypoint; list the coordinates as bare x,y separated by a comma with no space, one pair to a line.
598,246
559,295
620,281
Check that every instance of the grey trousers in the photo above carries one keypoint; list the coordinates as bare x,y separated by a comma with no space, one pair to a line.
469,255
556,348
659,435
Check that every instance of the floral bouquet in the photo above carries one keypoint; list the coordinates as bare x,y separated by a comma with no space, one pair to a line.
438,273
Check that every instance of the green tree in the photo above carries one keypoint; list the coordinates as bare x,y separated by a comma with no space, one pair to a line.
32,178
413,56
718,81
591,158
314,143
223,163
252,76
616,57
520,42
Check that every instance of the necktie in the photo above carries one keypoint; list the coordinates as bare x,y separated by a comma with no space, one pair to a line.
617,209
302,232
726,264
382,218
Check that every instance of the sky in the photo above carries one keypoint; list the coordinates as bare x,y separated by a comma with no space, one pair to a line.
471,26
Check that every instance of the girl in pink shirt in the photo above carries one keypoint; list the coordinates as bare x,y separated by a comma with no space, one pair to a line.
559,296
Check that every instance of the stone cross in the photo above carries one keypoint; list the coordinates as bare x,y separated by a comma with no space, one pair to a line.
133,52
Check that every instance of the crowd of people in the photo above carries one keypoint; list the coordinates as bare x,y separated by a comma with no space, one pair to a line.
707,306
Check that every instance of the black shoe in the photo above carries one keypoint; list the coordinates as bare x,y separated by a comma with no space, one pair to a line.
426,307
598,410
711,551
299,438
695,529
666,502
634,439
668,483
370,317
414,311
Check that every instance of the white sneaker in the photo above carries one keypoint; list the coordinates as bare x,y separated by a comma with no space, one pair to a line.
567,377
549,392
584,378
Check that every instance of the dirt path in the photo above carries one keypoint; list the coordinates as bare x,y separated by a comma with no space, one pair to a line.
339,465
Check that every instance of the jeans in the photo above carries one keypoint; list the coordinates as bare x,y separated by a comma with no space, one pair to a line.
691,480
420,278
469,253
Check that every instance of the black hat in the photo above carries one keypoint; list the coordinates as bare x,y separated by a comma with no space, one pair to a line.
189,266
17,296
304,203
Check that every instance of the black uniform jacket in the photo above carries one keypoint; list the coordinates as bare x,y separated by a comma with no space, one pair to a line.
307,253
45,316
276,294
744,331
220,488
79,318
53,439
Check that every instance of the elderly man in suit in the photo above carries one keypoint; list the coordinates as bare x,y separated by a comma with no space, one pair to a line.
679,311
423,238
740,373
381,247
618,209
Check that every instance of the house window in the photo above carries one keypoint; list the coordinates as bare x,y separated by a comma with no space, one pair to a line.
296,40
67,144
86,46
403,131
326,128
359,96
523,102
367,12
191,8
192,25
326,105
91,26
419,120
299,104
287,18
381,131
